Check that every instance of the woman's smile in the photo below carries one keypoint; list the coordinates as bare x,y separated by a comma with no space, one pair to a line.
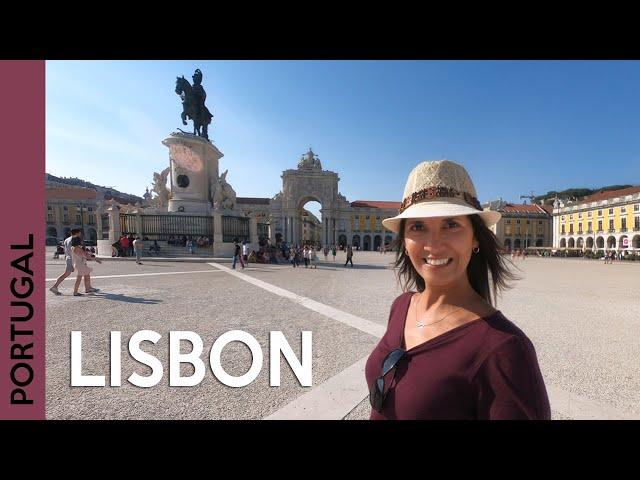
437,263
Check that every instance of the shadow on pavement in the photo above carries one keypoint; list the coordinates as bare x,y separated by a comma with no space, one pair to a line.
124,298
356,266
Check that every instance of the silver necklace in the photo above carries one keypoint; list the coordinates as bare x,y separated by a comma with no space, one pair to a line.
422,325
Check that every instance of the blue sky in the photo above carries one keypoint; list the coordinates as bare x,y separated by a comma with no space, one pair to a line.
517,126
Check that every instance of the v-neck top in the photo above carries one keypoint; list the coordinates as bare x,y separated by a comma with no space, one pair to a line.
484,369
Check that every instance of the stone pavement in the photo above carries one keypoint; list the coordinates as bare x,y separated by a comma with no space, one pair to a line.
580,315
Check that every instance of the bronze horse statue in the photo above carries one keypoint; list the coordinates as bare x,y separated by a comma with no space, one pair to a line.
193,107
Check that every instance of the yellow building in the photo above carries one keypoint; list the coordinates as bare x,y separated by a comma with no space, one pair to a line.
367,232
75,203
608,220
522,226
311,228
71,207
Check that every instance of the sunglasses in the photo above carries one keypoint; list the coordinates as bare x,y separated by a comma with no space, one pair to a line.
377,394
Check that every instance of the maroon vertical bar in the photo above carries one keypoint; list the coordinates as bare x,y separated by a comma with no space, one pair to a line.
22,153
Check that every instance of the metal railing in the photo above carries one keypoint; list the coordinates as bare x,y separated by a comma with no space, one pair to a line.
128,224
263,230
160,227
235,228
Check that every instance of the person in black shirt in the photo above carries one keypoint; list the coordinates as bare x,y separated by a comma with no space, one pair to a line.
237,254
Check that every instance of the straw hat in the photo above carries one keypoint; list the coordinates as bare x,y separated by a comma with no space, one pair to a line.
439,189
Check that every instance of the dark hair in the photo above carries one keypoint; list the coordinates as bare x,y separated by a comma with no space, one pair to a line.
75,230
75,242
488,259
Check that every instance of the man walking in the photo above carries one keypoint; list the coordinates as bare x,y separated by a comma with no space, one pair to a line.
237,254
349,256
75,232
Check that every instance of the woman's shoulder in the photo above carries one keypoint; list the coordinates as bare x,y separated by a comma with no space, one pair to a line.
403,297
502,332
401,301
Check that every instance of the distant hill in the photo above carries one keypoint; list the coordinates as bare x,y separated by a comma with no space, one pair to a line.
107,191
578,193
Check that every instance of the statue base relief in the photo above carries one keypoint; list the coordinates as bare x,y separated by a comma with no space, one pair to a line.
190,206
194,169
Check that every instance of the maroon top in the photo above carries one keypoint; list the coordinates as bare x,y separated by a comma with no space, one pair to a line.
485,369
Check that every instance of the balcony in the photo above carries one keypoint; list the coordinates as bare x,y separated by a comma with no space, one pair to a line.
589,231
623,229
611,230
636,229
599,231
580,232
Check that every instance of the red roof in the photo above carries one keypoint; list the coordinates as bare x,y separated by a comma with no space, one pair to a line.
548,208
375,204
71,193
521,208
606,195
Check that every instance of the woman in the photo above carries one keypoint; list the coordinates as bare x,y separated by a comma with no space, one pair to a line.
80,257
447,352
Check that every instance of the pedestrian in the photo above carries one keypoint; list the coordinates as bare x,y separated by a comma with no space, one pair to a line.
130,240
75,232
297,255
305,256
80,257
326,252
124,246
333,252
245,252
349,256
237,254
447,352
138,247
314,258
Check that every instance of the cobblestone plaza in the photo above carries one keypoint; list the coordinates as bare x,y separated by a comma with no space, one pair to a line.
581,315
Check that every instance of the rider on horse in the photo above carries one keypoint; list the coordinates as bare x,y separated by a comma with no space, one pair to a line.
199,95
193,103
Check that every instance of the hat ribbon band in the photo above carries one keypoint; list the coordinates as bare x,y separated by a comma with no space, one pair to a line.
437,192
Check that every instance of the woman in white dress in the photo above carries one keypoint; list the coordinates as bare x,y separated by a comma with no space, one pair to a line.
80,256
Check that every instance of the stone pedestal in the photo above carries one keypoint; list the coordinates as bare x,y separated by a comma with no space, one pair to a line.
114,223
103,248
253,232
223,249
194,171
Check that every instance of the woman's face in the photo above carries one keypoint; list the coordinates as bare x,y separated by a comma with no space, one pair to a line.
440,248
